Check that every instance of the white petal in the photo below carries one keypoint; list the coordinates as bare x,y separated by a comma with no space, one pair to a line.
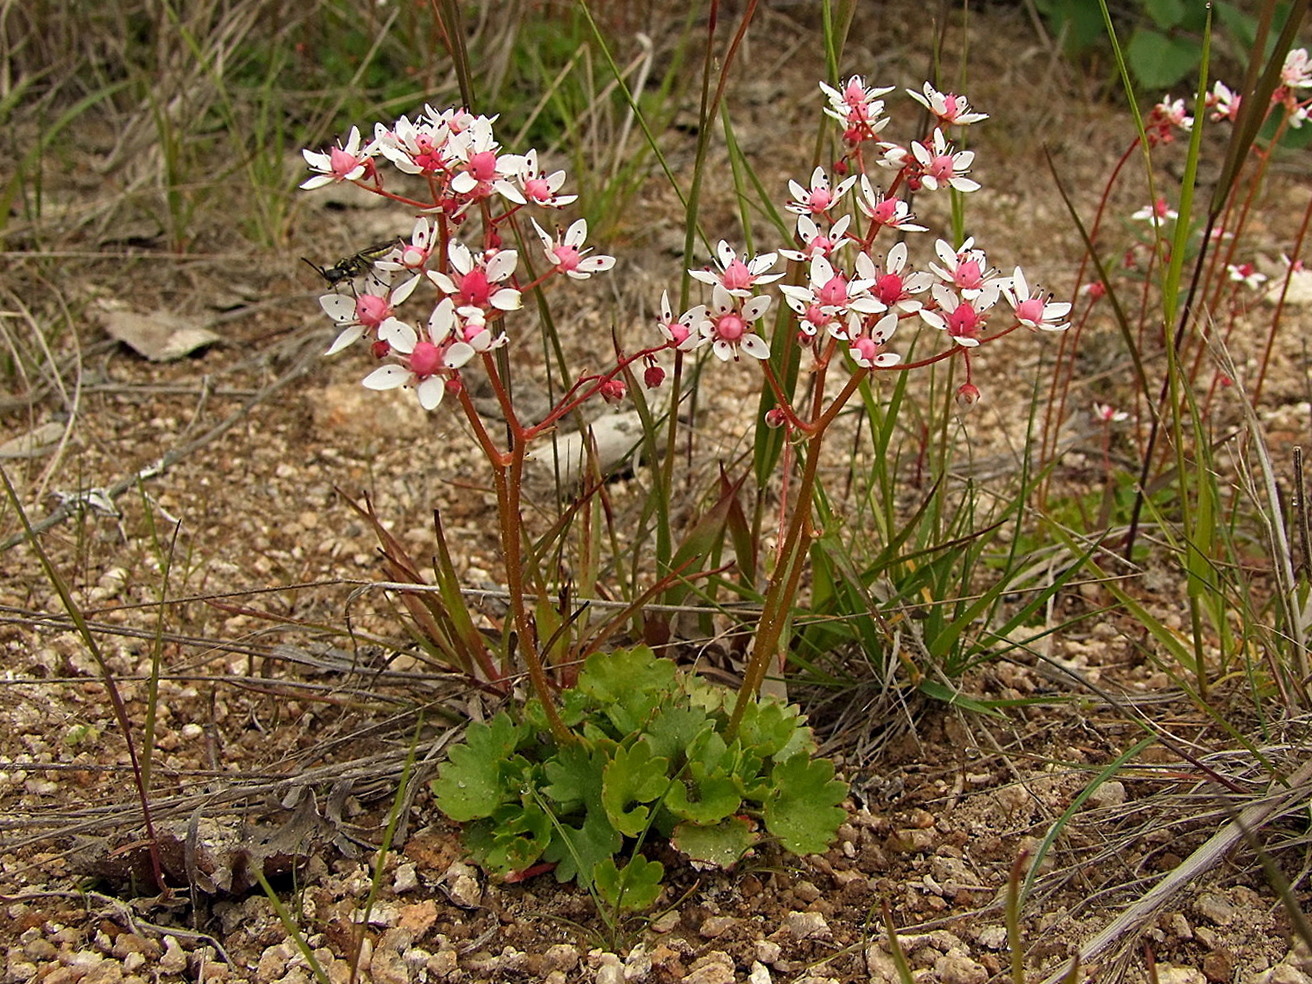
722,349
756,307
507,299
339,307
387,377
502,265
430,392
461,352
346,338
755,346
403,290
398,335
576,233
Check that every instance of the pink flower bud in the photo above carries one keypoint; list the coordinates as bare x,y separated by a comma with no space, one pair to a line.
967,395
775,417
653,376
613,391
380,349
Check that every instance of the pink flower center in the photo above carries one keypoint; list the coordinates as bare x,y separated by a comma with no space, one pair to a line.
964,322
474,289
371,310
885,211
731,327
1030,310
815,315
567,258
426,359
678,332
737,276
483,165
538,189
833,293
867,348
950,107
341,162
941,167
968,274
819,199
888,288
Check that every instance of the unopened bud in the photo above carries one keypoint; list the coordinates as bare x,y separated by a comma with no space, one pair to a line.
653,376
775,417
380,349
967,395
613,390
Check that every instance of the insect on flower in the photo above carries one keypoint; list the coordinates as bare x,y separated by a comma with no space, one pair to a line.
355,265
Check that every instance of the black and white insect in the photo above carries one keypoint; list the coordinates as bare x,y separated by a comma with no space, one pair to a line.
348,268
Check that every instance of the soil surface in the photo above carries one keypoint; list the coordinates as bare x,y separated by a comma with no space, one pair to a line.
289,695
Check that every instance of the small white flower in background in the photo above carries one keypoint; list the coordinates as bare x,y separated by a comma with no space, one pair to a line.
949,107
894,289
684,331
728,326
415,147
962,319
816,241
1156,213
892,212
1246,274
1106,414
1297,70
820,197
738,274
857,106
940,165
343,163
366,312
564,252
867,350
828,296
474,282
412,256
1173,113
966,269
483,169
1035,310
1223,102
425,360
539,187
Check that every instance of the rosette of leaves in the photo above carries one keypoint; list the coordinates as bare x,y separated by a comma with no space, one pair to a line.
651,756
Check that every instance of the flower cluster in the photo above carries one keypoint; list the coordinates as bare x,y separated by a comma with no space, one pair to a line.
455,157
851,295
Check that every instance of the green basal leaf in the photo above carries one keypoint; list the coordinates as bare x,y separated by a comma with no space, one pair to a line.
802,809
513,839
767,727
574,777
578,851
615,677
633,776
479,774
705,799
720,844
637,886
673,729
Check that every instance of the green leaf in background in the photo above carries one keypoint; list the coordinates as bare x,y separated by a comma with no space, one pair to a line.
802,809
633,776
1165,13
471,784
720,844
1159,61
767,726
635,887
